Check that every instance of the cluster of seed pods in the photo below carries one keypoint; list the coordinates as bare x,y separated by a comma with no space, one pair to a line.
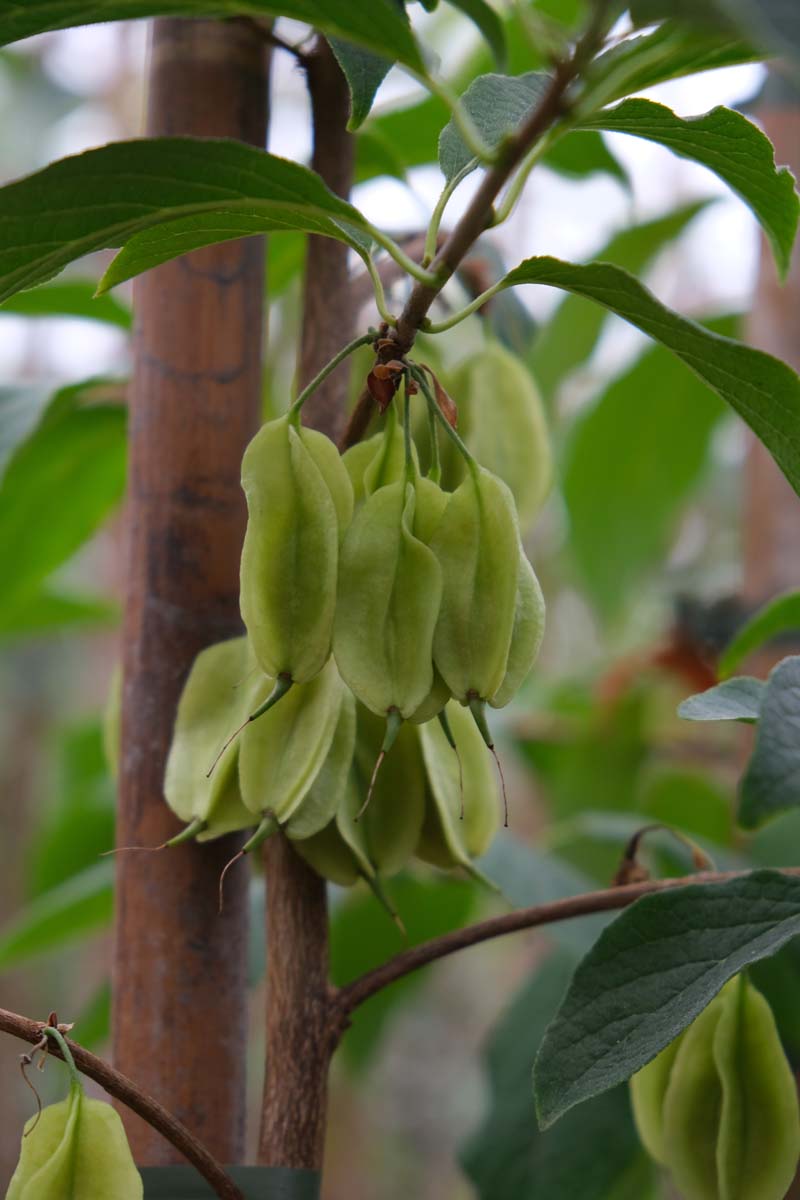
383,613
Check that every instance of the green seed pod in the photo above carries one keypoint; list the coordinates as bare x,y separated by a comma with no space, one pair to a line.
477,545
322,801
503,422
393,820
526,634
433,703
648,1088
339,852
388,463
388,599
329,462
217,692
75,1150
429,508
356,460
282,753
290,552
730,1126
461,813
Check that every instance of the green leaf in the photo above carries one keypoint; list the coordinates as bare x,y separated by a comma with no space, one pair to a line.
378,25
571,334
58,488
592,1151
488,22
781,615
205,191
730,146
762,390
650,973
668,52
48,611
582,153
81,905
363,936
364,72
734,700
497,104
20,410
771,783
654,424
70,298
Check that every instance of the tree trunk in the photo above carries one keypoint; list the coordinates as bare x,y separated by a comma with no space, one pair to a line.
179,968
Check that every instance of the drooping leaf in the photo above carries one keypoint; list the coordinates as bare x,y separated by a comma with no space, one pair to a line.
69,298
650,973
762,390
378,25
200,191
730,146
781,615
592,1151
488,22
79,906
497,104
733,700
632,462
364,72
60,485
771,783
670,51
571,334
583,152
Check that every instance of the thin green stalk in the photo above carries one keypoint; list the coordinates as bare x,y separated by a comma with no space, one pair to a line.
380,294
61,1042
435,469
364,340
515,188
433,407
463,313
428,278
438,212
409,458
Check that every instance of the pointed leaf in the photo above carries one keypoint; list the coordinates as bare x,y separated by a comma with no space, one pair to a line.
762,390
69,298
378,25
489,23
780,616
364,72
650,973
583,152
734,700
67,912
218,189
771,783
497,104
730,146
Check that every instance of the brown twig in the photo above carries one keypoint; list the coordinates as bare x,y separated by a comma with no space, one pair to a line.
124,1089
356,993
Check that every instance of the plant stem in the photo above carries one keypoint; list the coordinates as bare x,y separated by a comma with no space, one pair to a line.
438,212
363,340
439,416
132,1096
58,1037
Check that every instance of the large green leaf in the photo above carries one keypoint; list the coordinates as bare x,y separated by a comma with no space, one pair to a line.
571,334
378,25
48,610
733,700
781,615
205,191
762,390
592,1151
60,485
771,783
497,104
632,462
668,52
583,152
81,905
730,146
364,72
650,974
69,298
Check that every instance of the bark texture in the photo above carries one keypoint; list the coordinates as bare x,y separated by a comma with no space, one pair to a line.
179,968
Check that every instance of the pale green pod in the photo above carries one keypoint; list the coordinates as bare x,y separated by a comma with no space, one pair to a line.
526,634
449,839
215,697
290,555
477,545
429,508
388,463
433,703
282,752
326,793
388,599
356,460
339,852
329,462
648,1089
393,818
76,1150
507,427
